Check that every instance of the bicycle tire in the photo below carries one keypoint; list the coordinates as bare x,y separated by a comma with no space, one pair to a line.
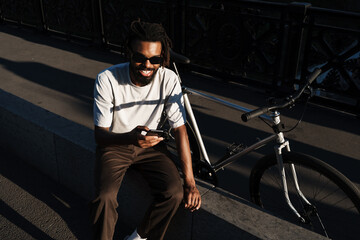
336,198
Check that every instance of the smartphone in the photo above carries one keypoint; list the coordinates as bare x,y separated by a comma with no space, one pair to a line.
154,132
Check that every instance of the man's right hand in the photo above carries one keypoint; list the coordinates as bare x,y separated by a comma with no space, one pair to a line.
144,141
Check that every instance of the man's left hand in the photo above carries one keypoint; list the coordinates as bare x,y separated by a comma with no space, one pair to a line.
192,198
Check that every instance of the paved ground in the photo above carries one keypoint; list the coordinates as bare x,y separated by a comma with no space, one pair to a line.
59,76
32,206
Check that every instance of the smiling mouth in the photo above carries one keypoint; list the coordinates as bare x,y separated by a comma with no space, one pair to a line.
146,72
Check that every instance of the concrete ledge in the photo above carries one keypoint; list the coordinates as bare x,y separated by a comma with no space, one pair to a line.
57,147
64,151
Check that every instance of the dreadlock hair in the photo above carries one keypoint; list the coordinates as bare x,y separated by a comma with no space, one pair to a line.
151,32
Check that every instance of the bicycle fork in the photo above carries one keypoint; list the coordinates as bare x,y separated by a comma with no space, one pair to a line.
278,151
308,206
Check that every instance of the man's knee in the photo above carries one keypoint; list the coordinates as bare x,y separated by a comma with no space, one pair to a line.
174,192
107,197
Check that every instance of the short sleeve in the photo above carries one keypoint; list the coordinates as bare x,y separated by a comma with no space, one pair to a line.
103,101
175,105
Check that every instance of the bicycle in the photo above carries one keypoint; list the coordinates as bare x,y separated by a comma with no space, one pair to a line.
313,194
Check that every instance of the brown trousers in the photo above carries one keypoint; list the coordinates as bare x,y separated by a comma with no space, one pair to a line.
158,170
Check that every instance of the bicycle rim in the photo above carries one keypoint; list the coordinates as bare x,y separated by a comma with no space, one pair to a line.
336,199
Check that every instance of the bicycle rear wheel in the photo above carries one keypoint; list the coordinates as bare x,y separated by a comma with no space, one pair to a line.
335,198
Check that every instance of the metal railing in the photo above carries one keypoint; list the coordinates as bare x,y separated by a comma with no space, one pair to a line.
272,45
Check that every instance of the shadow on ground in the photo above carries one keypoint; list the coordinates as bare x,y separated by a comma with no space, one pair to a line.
72,209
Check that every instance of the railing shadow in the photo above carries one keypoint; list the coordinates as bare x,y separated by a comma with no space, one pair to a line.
69,206
18,220
69,83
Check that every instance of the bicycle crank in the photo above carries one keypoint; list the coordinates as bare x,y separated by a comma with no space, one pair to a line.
205,172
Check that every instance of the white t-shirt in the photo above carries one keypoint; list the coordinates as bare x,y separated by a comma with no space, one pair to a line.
122,106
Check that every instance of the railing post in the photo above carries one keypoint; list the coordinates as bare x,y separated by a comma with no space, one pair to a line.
282,54
298,19
182,25
43,27
98,34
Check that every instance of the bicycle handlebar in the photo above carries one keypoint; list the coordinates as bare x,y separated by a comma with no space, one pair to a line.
288,101
176,57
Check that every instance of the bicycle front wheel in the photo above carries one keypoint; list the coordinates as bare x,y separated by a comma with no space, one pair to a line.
334,198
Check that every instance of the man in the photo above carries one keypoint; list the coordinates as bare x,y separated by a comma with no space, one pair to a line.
129,100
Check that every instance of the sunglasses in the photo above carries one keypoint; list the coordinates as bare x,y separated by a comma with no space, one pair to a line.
139,58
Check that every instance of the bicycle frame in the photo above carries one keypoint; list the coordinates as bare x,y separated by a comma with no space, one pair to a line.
279,137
